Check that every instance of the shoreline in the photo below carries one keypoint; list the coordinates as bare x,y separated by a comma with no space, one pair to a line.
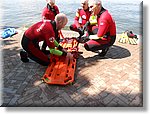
66,30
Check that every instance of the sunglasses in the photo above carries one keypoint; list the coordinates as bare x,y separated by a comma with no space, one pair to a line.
91,7
83,3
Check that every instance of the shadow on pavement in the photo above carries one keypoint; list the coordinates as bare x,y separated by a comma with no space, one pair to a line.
19,89
115,52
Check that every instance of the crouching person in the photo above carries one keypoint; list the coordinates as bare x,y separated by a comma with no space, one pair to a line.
106,30
43,31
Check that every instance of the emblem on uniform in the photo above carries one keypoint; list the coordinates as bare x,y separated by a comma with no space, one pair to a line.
83,17
101,23
51,39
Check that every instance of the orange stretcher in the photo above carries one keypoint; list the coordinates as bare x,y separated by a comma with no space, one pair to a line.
61,70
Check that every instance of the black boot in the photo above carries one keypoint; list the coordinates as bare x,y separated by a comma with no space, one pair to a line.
103,53
24,56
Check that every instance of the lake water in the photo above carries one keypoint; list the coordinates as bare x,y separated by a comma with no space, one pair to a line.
18,13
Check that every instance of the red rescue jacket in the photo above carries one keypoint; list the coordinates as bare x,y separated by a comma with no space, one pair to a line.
106,24
42,31
84,15
49,13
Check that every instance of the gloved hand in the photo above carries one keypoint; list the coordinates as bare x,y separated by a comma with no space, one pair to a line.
83,39
81,31
60,47
64,52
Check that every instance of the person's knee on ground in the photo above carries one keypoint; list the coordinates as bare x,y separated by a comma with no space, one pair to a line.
86,46
73,28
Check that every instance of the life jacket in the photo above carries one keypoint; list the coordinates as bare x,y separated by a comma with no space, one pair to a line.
83,14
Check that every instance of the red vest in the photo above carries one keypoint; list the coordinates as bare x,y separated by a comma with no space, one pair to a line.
84,15
49,13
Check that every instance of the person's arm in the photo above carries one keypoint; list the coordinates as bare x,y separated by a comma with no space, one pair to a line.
57,9
49,36
44,13
59,51
55,48
76,19
102,29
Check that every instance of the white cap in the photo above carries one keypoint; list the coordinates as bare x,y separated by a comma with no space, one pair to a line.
94,2
84,1
50,1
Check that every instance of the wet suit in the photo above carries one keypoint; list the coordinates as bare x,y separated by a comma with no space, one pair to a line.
49,13
84,15
106,33
41,31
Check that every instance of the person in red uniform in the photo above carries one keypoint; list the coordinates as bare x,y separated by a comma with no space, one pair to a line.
42,31
83,14
106,31
50,11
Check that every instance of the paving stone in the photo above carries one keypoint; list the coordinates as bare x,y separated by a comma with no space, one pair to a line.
113,80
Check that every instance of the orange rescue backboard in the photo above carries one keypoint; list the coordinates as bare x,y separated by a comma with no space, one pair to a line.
61,71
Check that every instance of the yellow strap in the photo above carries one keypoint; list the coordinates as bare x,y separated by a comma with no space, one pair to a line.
77,14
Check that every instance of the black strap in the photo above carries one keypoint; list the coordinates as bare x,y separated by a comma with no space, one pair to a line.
53,24
102,11
55,29
52,9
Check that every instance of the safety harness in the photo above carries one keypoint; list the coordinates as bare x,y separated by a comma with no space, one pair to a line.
102,11
52,9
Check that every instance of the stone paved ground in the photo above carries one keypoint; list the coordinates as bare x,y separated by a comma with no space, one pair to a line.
115,80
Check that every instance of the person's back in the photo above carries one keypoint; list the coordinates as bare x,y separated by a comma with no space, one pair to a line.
40,30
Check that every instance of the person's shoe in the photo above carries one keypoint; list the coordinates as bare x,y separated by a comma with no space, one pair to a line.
103,53
131,35
24,56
